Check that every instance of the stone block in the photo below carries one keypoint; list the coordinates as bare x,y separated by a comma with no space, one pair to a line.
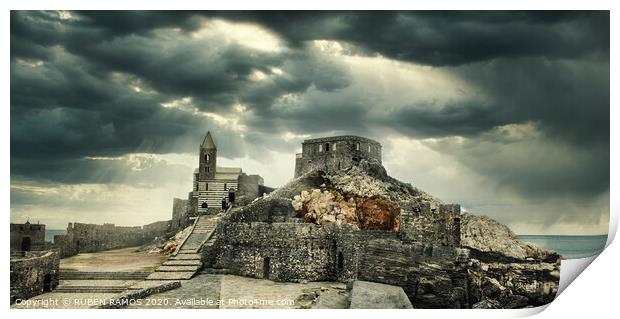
371,295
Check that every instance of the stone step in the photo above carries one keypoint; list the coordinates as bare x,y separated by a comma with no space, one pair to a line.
102,275
84,289
186,257
188,251
177,268
192,242
195,240
178,275
190,246
182,263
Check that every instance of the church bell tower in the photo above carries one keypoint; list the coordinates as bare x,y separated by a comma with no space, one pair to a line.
208,157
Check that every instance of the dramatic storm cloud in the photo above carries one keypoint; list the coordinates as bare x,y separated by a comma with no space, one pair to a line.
506,113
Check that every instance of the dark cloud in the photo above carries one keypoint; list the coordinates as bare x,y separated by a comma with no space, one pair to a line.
447,38
107,84
570,97
78,99
534,165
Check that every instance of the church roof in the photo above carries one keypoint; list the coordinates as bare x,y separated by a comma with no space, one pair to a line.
227,172
208,141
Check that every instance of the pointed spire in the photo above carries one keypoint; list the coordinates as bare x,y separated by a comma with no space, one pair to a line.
208,141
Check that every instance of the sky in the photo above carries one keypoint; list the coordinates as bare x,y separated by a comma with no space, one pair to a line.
506,113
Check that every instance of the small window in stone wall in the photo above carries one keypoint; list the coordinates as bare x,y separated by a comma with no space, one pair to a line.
326,147
320,147
225,186
334,147
357,146
368,148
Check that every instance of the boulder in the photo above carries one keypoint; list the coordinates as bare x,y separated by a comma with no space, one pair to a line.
487,304
371,295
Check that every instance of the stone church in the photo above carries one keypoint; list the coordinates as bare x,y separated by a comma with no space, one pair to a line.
214,185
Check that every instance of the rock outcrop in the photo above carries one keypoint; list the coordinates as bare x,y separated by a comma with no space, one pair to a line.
506,272
487,235
333,206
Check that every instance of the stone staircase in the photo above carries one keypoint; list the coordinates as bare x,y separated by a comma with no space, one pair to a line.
187,260
82,275
91,282
90,289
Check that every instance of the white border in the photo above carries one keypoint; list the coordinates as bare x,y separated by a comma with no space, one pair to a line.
594,292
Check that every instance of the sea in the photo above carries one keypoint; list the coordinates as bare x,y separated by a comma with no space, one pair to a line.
569,247
50,233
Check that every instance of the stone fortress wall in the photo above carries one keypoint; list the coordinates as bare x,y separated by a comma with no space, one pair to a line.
266,240
440,225
180,216
295,251
35,262
334,153
33,274
86,238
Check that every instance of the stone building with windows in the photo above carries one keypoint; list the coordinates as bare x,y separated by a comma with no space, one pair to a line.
334,153
27,237
215,185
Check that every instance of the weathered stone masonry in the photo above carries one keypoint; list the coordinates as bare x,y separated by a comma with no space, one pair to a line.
85,238
27,237
33,274
303,251
330,154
